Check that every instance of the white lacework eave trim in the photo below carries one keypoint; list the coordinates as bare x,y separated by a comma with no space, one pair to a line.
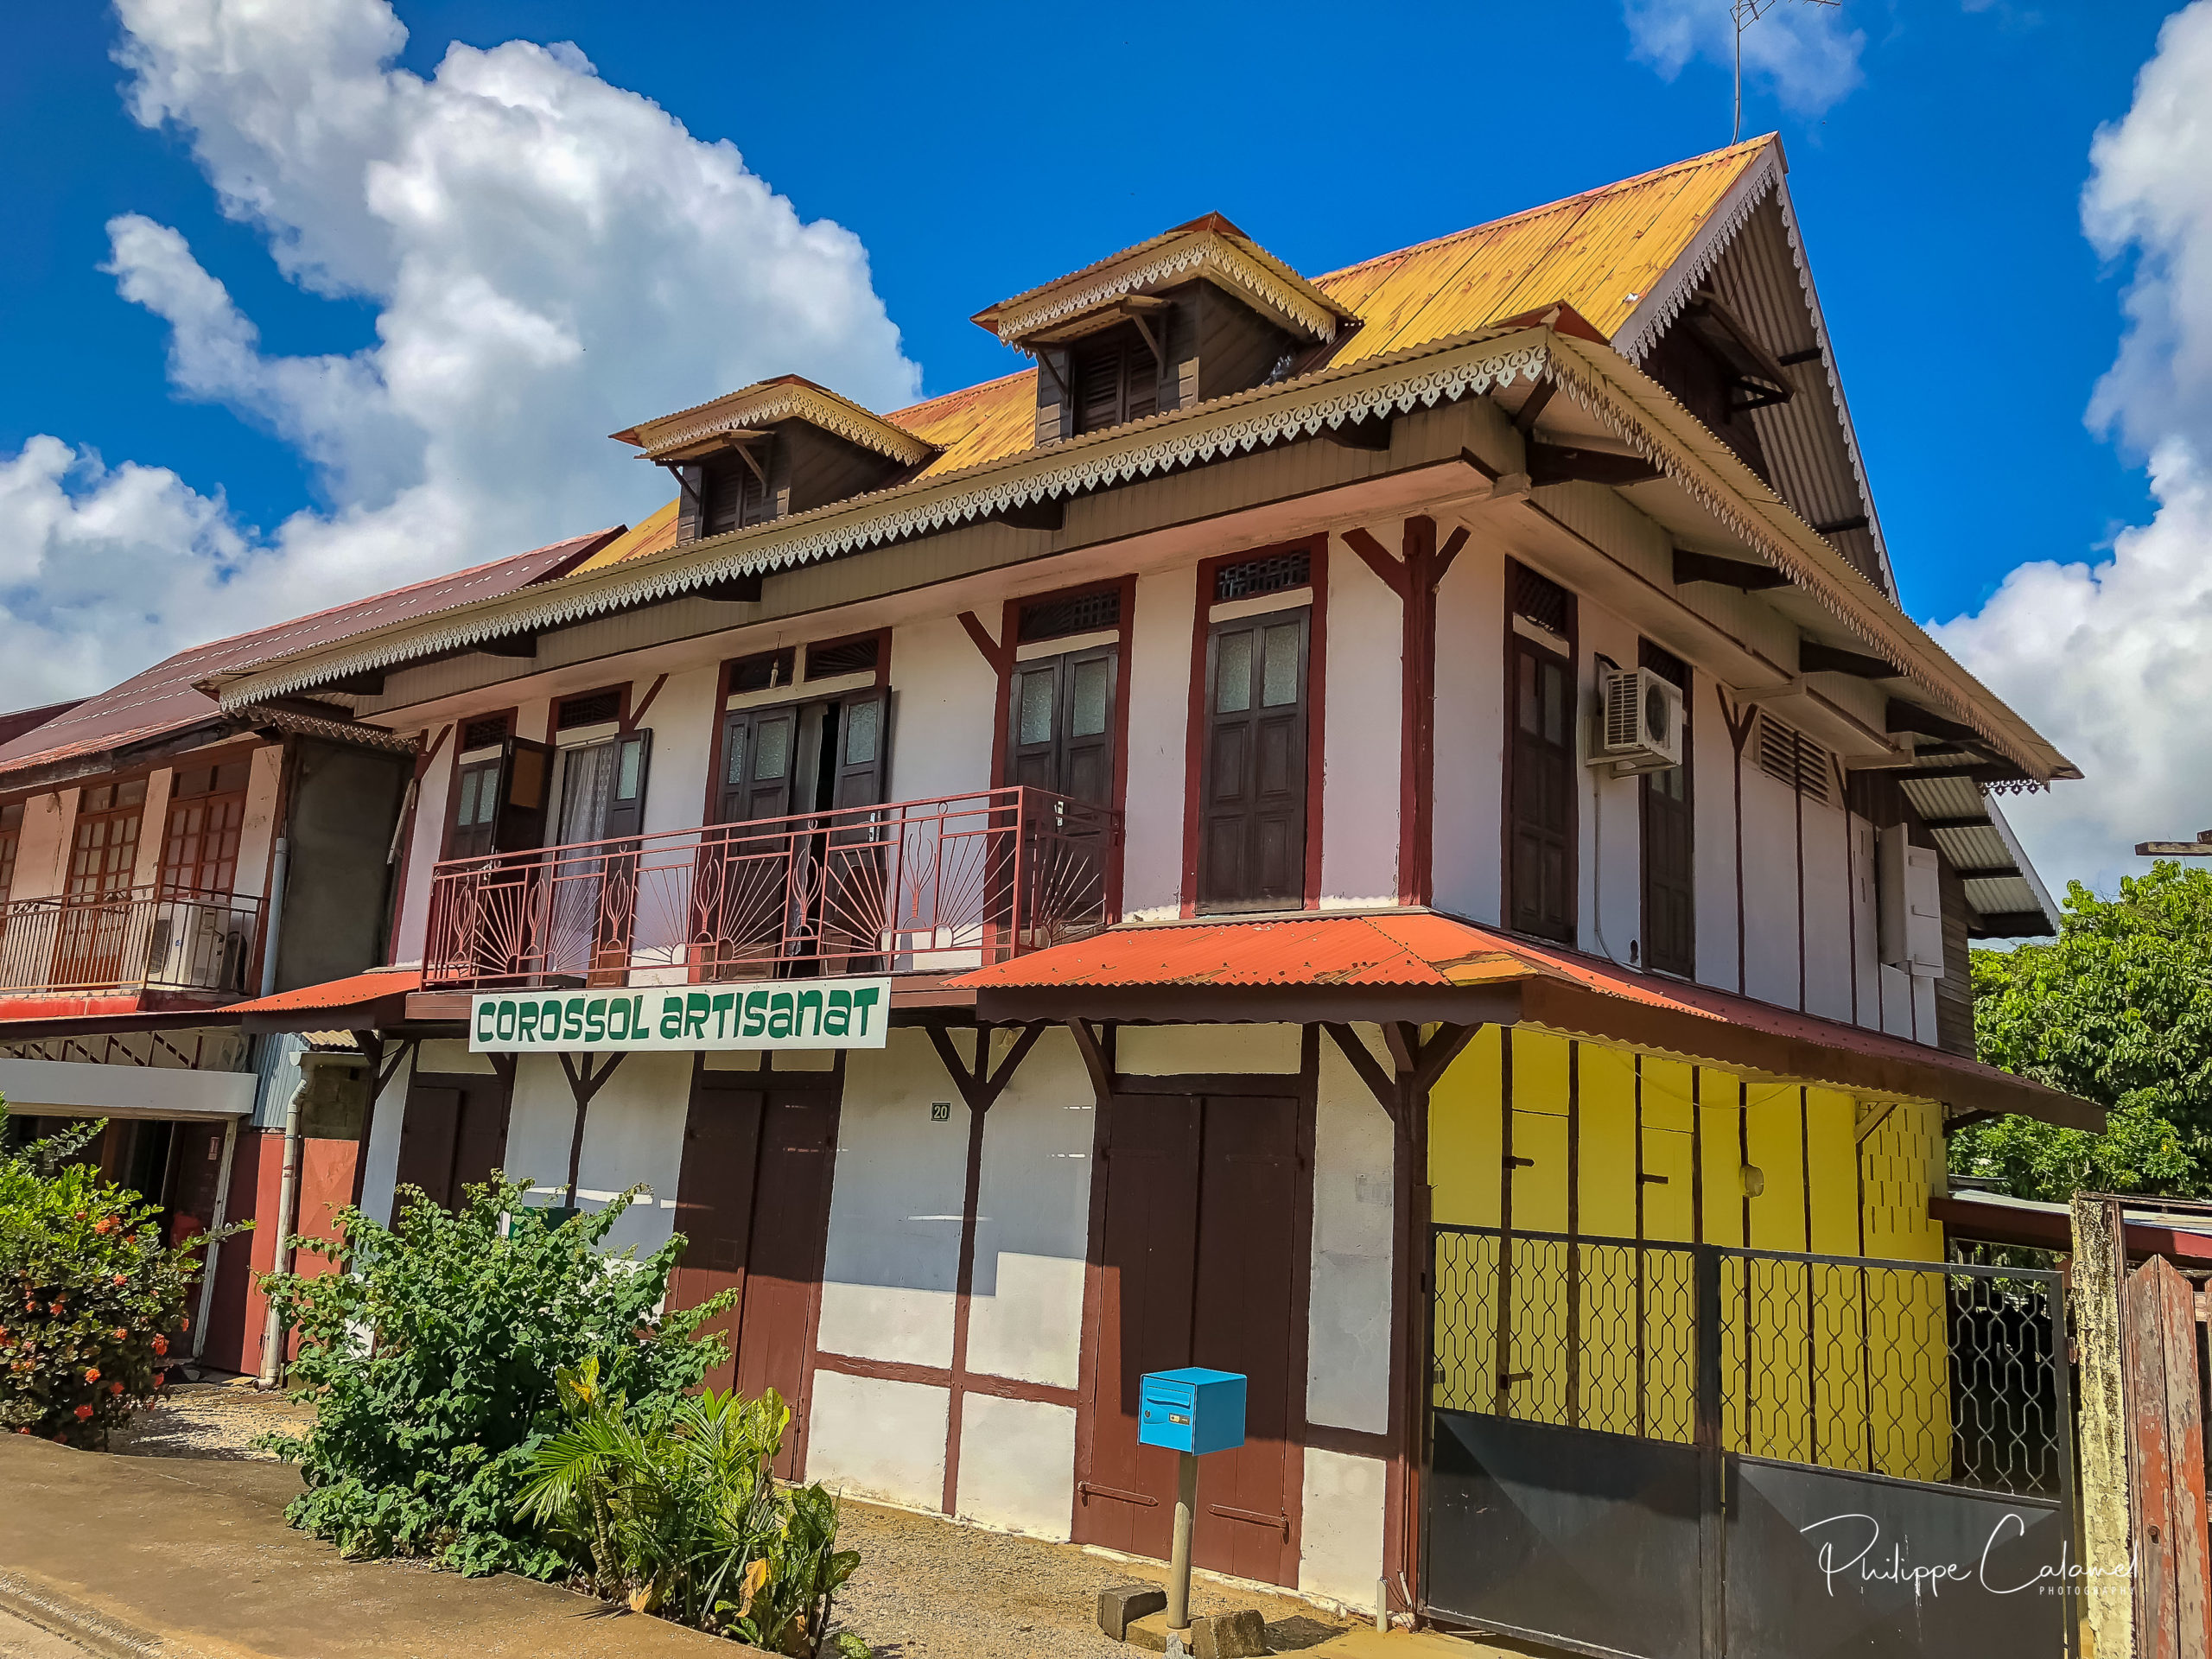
1224,435
1317,320
1632,430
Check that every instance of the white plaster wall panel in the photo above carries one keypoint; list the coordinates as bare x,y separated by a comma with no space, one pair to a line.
874,1438
428,839
1348,1343
1828,918
1017,1465
1171,1051
1608,809
257,825
682,721
381,1170
1340,1529
451,1054
1770,886
1363,719
893,1257
1468,862
634,1134
1896,1001
1160,681
1024,1318
153,834
806,1059
541,1127
944,699
1713,783
38,846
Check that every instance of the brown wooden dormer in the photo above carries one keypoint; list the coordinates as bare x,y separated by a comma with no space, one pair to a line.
776,447
1196,312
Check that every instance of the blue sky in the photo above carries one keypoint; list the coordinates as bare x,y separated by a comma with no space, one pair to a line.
1938,151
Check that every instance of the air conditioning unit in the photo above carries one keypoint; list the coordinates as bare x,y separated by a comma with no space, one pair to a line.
1640,722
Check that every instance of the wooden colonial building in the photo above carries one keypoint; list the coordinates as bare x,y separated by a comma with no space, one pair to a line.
1319,760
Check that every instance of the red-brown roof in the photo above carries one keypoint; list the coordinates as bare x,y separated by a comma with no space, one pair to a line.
1164,973
349,992
162,699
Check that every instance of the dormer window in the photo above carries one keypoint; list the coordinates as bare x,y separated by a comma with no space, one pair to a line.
1114,377
782,447
1201,312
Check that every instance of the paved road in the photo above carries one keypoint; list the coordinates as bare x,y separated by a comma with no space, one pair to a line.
22,1641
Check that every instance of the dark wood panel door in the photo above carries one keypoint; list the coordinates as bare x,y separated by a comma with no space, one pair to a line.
1541,789
1252,847
1246,1315
790,1226
480,1139
1147,1249
714,1208
427,1131
1197,1253
1061,724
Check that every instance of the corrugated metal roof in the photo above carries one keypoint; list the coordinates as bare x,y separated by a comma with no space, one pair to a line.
163,698
349,992
1562,990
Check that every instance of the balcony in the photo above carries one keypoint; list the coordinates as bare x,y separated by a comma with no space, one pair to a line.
912,886
141,939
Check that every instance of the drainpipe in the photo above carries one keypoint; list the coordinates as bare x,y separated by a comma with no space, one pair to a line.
288,1204
215,1245
277,870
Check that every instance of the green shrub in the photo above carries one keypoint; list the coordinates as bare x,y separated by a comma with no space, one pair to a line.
672,1506
92,1302
430,1356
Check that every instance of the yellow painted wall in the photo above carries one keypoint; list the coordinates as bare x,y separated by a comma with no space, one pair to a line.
1541,1134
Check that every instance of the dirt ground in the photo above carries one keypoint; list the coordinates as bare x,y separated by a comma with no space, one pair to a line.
925,1586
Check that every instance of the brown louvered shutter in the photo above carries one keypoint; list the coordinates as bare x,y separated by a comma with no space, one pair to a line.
1097,390
1252,845
690,485
759,758
526,777
626,800
863,746
1541,772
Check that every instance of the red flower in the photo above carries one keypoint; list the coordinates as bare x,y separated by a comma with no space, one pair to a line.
92,1374
160,1345
115,1388
184,1325
122,1335
161,1379
105,1225
122,1278
83,1414
54,1307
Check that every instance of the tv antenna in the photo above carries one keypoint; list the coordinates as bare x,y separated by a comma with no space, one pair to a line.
1745,13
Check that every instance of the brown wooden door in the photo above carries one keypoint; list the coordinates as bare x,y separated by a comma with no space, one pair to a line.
1540,794
753,1203
1146,1247
713,1207
453,1135
1252,851
1670,845
1197,1256
759,761
1060,725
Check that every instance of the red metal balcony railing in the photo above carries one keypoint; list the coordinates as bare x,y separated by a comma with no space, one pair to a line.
139,939
909,886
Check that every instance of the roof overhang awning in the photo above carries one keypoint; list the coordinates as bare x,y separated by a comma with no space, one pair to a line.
1422,967
369,1001
2000,1219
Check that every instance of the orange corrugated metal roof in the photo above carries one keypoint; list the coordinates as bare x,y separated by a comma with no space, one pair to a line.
649,534
1599,252
349,992
1418,951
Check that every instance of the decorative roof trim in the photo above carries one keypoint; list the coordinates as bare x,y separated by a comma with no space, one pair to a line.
1211,254
741,410
1176,439
1714,496
361,736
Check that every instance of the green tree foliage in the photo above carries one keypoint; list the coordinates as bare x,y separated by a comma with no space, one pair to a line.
2117,1010
431,1355
673,1508
92,1302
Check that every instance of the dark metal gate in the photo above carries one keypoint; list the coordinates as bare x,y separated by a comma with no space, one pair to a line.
1680,1451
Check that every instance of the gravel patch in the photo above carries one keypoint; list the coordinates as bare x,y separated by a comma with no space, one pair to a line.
210,1420
927,1586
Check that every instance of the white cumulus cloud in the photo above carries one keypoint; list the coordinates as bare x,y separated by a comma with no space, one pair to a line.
2113,658
548,257
1806,55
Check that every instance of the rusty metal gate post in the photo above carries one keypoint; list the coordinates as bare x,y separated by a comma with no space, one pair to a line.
1711,1522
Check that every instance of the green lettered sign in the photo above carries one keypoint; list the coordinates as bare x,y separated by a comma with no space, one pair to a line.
774,1013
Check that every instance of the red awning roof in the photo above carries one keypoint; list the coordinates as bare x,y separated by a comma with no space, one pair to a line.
317,1007
1417,965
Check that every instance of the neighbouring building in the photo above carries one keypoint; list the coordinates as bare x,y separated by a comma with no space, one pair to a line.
1394,836
162,860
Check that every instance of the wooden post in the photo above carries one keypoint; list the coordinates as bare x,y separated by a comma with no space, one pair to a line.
2167,1441
2107,1531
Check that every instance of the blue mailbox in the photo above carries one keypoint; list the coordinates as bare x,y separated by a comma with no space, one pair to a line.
1194,1410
